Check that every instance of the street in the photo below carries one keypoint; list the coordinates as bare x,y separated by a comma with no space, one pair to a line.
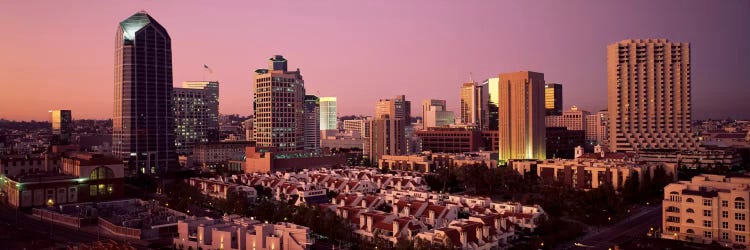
635,226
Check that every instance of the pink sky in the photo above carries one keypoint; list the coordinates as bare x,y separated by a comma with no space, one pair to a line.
60,55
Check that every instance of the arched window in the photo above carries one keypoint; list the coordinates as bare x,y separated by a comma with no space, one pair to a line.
739,203
690,231
690,200
102,173
691,221
673,209
690,210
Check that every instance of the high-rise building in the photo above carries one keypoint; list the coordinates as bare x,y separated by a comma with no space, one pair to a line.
521,120
396,108
575,119
62,127
196,114
649,95
313,122
328,113
553,100
474,104
247,125
143,122
386,136
434,114
278,110
492,90
596,128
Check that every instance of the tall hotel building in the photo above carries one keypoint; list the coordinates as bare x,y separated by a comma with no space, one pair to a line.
521,116
553,101
196,114
143,122
649,95
474,105
313,122
278,107
62,127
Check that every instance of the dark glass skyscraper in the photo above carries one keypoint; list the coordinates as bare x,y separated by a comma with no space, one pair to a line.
143,123
62,127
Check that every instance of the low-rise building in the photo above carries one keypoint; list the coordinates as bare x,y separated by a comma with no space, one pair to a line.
265,160
428,162
708,208
239,233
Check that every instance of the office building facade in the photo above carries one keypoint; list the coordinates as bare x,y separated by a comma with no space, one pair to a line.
143,122
278,109
649,95
196,114
492,90
328,113
521,116
396,108
553,101
313,124
474,105
62,127
434,114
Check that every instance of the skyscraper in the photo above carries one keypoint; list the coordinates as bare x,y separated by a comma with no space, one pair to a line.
434,114
328,113
196,113
521,116
313,122
492,90
474,104
649,95
62,127
143,122
553,101
385,137
278,107
397,108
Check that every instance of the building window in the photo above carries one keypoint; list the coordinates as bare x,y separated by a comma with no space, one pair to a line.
739,238
739,227
725,203
690,210
739,203
739,216
724,214
707,234
689,200
707,202
706,212
707,223
724,236
102,173
724,224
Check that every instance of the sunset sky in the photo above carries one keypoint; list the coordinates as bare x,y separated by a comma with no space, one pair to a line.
60,54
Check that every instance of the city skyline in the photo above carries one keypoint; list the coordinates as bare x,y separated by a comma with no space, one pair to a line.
330,50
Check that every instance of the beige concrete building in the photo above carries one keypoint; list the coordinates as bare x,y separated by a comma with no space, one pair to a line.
396,108
474,104
278,99
521,117
649,95
386,137
709,208
435,114
238,233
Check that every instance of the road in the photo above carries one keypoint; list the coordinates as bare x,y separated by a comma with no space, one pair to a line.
635,226
27,232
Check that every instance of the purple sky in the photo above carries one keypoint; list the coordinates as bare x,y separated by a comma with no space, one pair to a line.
59,55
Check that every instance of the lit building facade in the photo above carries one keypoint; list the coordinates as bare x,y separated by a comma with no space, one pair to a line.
278,109
553,101
521,120
143,122
649,95
707,209
474,104
62,127
386,137
313,117
328,113
196,114
396,108
493,85
434,114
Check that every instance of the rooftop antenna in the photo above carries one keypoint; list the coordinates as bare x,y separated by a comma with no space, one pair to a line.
471,77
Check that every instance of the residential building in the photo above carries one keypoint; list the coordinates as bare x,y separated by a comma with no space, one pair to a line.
196,114
707,209
522,127
429,162
649,86
143,120
240,233
278,100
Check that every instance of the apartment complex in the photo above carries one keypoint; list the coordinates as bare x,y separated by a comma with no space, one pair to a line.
708,208
522,127
649,90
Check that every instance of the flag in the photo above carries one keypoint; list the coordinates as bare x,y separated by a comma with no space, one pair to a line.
208,69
